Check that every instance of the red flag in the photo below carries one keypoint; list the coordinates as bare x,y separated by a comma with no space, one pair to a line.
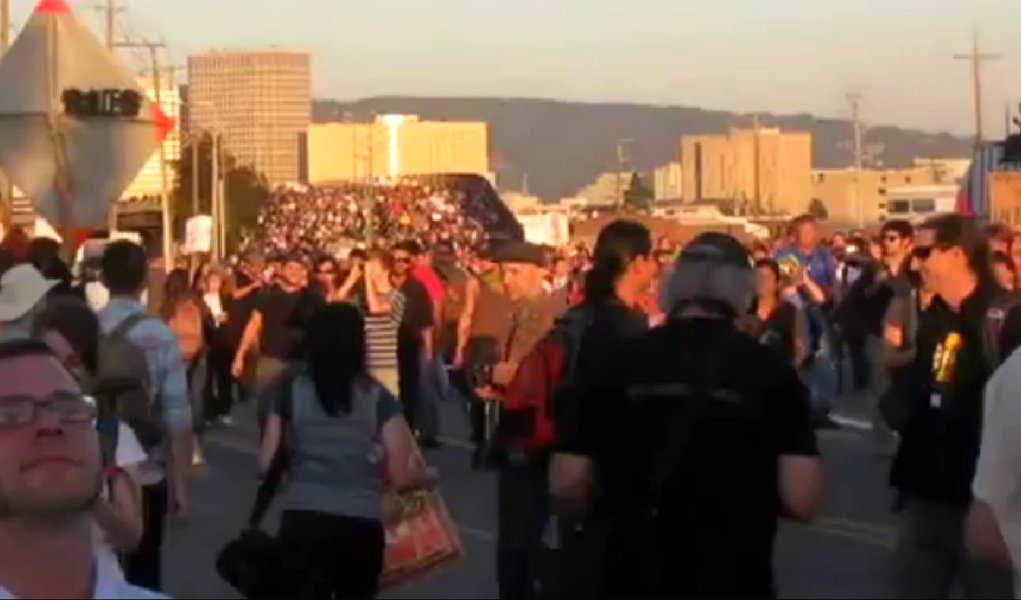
963,202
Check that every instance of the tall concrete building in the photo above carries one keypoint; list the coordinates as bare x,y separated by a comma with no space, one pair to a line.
259,99
763,170
393,146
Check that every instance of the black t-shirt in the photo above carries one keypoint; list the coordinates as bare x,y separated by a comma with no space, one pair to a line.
610,324
778,330
418,315
942,392
719,508
283,317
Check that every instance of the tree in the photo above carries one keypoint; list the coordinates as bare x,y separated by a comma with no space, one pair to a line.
247,190
637,196
817,209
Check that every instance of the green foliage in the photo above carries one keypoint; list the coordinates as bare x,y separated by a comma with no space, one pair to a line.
818,210
247,190
638,195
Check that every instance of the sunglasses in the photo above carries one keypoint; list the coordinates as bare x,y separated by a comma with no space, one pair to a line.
20,411
924,252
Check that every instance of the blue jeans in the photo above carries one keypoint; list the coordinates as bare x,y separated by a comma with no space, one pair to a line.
433,388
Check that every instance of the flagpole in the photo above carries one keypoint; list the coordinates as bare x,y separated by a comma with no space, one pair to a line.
62,182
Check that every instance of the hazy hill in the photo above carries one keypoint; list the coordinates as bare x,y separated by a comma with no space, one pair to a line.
564,145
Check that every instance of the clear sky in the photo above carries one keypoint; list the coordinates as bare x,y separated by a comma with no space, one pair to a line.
783,56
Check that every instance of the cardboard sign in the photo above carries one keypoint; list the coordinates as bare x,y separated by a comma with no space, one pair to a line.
1005,198
198,234
75,127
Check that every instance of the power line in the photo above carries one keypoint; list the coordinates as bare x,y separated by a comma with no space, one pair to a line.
977,58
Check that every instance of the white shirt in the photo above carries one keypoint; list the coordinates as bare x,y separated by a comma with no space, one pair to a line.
128,455
998,472
96,295
110,584
215,305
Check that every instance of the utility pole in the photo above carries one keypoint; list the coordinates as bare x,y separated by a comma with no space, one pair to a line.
854,99
196,141
154,47
976,58
110,10
757,171
214,191
621,162
6,189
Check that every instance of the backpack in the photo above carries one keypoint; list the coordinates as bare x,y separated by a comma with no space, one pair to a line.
123,383
994,347
543,376
186,323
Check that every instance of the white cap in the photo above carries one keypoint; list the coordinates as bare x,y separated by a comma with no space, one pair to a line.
21,288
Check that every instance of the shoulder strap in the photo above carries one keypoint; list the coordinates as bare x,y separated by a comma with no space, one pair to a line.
127,324
701,397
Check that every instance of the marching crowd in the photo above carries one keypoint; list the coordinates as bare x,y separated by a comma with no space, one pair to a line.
336,218
651,410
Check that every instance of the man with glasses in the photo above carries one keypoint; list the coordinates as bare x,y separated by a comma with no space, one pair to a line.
50,478
935,463
889,282
415,336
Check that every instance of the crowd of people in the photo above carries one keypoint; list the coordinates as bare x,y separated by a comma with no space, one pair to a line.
650,409
340,217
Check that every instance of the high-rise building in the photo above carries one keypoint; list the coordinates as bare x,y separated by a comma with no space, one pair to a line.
148,181
761,170
260,100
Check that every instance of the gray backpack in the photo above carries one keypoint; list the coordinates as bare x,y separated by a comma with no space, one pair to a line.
123,385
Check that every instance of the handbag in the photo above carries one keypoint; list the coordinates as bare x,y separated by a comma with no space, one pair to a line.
421,539
252,562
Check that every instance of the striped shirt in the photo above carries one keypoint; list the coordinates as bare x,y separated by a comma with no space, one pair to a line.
381,334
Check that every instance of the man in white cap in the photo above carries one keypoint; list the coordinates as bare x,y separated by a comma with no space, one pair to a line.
23,292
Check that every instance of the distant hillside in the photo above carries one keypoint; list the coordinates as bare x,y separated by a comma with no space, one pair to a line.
564,145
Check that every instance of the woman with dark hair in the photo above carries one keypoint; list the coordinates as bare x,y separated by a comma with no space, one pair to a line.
327,278
779,325
346,437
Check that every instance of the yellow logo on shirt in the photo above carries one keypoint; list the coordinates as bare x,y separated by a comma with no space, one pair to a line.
945,358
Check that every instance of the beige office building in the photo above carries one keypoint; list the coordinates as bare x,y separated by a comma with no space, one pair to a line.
764,171
853,198
260,100
393,146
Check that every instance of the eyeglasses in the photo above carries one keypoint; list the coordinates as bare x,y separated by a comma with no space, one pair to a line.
19,411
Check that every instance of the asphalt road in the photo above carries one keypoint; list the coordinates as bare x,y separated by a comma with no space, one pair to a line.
846,554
